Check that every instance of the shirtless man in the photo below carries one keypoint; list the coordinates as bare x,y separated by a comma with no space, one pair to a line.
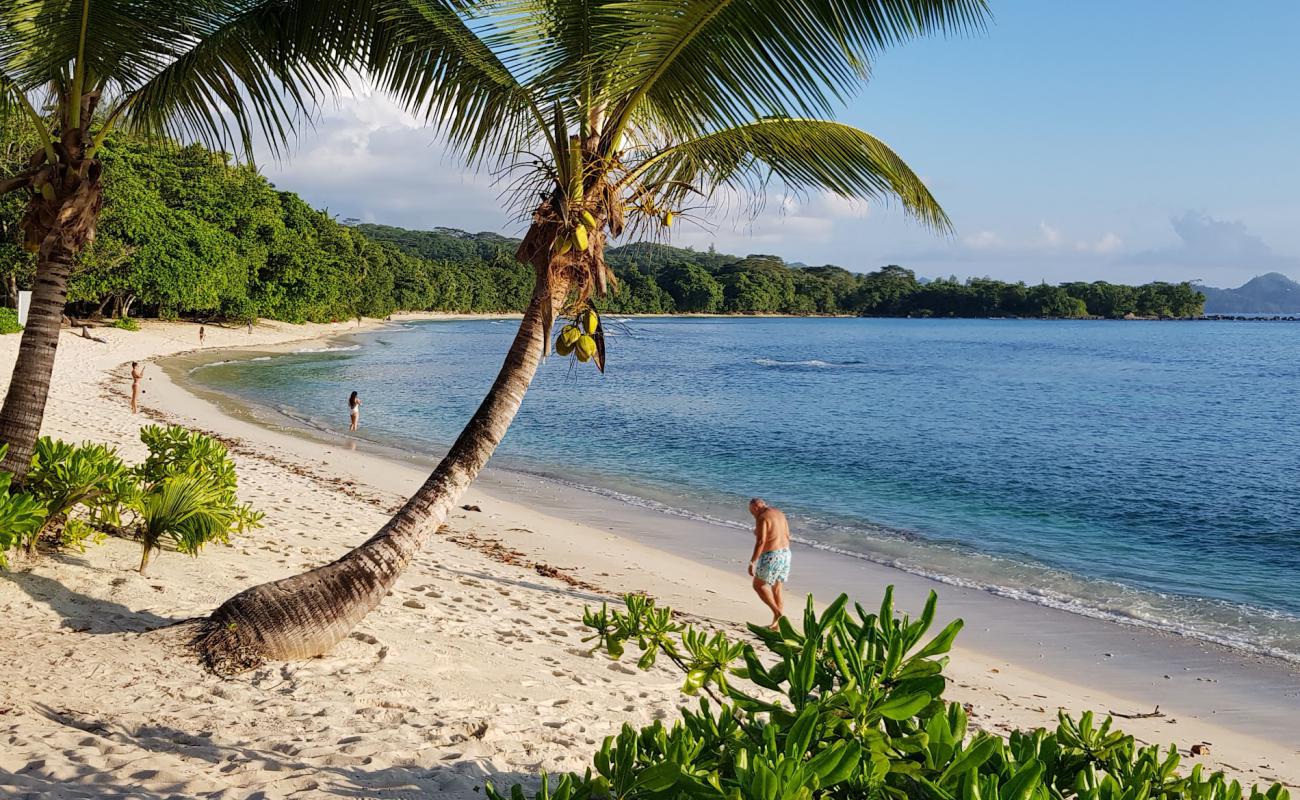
770,563
137,372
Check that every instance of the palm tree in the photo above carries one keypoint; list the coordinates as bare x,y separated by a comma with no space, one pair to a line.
223,71
607,116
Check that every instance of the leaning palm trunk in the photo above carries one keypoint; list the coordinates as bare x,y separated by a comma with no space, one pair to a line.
60,224
306,615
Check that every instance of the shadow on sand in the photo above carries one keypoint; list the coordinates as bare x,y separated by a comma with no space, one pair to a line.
287,774
83,613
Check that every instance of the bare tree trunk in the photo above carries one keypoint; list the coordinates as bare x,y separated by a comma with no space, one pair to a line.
305,615
24,406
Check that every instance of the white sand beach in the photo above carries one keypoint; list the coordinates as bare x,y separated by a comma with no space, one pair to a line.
474,668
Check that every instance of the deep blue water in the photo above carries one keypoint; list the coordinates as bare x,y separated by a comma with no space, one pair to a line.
1141,471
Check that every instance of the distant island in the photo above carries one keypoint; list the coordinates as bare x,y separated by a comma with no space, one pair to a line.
1271,293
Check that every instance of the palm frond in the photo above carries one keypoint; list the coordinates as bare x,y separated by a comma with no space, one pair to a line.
441,67
13,101
802,154
126,42
701,64
186,509
257,69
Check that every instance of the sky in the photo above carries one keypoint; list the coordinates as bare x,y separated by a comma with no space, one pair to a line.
1112,140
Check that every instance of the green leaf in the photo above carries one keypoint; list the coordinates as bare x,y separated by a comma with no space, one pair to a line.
970,758
1023,783
941,643
905,706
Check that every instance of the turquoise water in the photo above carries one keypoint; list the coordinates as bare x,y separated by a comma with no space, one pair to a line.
1144,472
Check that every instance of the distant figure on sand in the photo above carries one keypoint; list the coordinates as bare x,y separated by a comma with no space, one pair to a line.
203,335
137,373
770,563
354,410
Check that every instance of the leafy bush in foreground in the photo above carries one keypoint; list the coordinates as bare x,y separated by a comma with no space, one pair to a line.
67,477
188,492
21,516
125,324
851,706
184,492
9,321
185,509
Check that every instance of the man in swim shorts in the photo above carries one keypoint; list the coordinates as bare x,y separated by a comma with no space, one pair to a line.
770,563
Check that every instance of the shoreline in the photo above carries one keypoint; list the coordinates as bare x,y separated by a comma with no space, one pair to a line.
402,702
510,472
1181,675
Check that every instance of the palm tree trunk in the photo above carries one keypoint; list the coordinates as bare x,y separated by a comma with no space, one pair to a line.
24,406
305,615
61,222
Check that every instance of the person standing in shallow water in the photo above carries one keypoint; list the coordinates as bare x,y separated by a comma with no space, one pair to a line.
769,565
137,374
354,410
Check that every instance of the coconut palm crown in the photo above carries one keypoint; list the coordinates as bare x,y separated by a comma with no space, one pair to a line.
227,72
604,116
612,117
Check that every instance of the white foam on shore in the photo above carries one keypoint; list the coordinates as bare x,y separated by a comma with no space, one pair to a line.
328,349
1110,605
1109,601
193,370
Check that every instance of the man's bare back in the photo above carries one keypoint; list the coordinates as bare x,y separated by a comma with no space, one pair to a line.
773,528
770,563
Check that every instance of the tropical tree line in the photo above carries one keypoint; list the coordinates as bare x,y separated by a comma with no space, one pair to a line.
186,232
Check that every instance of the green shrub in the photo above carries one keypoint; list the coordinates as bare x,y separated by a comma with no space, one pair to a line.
189,492
125,324
65,478
9,321
850,706
21,516
188,510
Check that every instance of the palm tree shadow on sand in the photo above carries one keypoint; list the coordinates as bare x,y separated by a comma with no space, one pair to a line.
286,773
83,613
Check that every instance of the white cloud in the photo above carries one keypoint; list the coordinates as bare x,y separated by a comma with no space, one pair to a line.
984,240
367,158
1206,241
1050,235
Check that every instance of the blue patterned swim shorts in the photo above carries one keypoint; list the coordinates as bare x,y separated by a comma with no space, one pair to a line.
773,566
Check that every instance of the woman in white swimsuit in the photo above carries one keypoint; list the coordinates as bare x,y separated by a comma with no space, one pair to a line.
354,410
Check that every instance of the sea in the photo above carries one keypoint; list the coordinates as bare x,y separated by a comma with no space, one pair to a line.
1142,472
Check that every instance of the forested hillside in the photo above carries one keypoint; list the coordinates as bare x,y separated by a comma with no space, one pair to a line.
1271,293
186,233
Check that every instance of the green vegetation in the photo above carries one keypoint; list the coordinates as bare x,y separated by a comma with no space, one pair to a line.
9,321
21,516
186,233
125,324
186,510
851,705
89,478
188,492
184,493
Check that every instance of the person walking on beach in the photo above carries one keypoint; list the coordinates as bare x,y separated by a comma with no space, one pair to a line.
137,374
203,335
769,564
354,410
